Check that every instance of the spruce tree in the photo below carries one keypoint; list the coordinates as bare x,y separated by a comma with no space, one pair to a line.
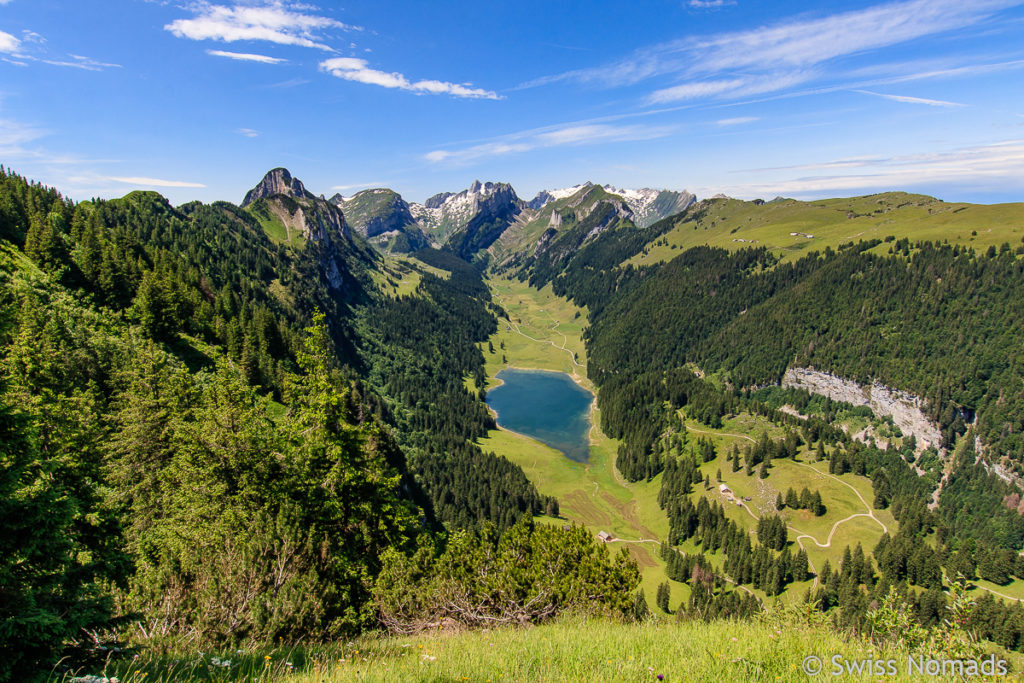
664,596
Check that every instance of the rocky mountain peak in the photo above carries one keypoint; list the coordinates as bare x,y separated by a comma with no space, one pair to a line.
437,200
276,181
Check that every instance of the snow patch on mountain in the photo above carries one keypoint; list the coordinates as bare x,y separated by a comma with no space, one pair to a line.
445,213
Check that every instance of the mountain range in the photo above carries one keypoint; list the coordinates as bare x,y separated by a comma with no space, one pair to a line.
486,219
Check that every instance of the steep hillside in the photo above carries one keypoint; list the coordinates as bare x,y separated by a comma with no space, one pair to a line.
650,206
564,227
384,219
535,229
237,401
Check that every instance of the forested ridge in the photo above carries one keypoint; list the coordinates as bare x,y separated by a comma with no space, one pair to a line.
208,436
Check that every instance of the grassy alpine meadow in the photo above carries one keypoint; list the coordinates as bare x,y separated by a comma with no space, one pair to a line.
570,649
791,228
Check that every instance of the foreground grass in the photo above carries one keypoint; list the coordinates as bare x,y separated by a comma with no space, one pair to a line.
569,650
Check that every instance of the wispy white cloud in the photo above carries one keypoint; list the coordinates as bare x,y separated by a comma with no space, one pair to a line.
290,83
275,21
80,62
246,57
996,166
737,121
9,43
357,186
744,86
912,100
14,135
710,4
153,182
780,56
248,132
555,136
358,70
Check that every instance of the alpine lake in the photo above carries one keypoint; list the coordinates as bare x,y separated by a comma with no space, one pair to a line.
547,406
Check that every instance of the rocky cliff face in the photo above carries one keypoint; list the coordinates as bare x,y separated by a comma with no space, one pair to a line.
494,205
904,408
277,182
493,208
542,198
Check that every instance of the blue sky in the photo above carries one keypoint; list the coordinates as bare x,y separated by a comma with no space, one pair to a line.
750,98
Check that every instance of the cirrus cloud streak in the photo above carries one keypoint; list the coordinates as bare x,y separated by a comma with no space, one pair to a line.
573,134
359,71
152,182
274,22
246,57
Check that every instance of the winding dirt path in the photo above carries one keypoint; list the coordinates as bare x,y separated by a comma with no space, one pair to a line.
1002,595
869,512
572,356
801,535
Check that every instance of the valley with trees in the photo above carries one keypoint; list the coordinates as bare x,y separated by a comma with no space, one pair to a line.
229,428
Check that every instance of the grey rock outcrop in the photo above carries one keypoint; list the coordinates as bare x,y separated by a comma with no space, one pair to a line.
904,408
278,181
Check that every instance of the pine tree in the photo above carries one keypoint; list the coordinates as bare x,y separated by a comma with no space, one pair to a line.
664,596
817,508
801,564
639,610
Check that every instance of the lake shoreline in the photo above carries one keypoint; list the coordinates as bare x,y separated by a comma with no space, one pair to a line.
550,407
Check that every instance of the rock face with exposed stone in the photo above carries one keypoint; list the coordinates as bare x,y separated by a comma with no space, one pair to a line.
904,408
277,181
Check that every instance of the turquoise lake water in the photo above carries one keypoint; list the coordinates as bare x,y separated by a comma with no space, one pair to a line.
547,406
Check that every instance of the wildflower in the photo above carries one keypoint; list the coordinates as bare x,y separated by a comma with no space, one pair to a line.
661,677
